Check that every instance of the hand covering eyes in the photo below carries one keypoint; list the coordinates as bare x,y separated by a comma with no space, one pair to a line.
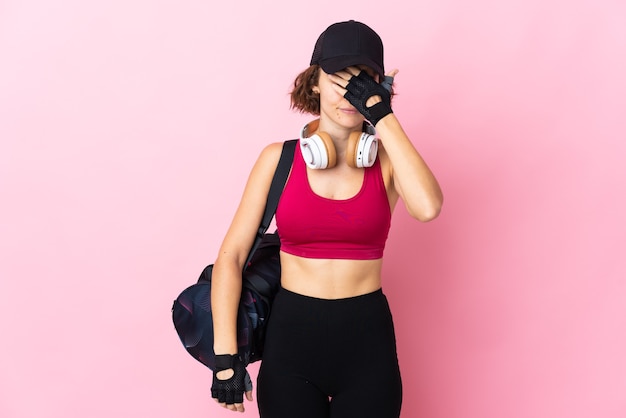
361,87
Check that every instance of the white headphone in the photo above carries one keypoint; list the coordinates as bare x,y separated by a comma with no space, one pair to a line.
318,150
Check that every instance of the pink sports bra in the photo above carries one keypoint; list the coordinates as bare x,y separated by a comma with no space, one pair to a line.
313,226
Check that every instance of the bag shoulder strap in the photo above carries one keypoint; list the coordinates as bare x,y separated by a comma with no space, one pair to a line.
276,189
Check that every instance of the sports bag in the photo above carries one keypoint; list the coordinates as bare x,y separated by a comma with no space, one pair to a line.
191,311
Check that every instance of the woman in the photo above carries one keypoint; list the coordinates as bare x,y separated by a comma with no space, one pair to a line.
330,347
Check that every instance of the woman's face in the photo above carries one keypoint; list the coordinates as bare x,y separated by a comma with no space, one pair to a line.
334,107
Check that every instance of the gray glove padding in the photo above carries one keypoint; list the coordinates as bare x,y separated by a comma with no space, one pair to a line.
387,82
230,391
360,88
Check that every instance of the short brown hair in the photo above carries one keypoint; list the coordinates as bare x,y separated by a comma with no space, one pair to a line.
303,98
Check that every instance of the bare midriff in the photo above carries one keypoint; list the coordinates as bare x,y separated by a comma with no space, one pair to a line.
329,278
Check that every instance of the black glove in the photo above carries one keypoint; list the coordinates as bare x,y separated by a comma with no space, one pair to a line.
230,391
360,89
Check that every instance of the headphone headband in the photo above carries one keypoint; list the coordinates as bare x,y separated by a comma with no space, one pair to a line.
305,132
368,128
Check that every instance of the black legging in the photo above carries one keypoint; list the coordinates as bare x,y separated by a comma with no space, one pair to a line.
330,359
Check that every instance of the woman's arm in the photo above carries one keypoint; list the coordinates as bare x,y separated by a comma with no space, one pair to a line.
226,277
412,179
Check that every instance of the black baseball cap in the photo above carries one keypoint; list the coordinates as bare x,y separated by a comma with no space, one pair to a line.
348,43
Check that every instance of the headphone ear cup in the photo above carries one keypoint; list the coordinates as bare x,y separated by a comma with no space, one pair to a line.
352,150
318,151
330,149
362,150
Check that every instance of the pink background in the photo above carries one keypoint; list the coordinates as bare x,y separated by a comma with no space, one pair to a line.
128,129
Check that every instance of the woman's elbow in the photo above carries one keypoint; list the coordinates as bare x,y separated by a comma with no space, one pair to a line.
427,213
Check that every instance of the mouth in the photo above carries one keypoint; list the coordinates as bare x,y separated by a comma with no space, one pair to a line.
350,110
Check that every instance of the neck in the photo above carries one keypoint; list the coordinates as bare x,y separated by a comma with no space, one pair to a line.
338,133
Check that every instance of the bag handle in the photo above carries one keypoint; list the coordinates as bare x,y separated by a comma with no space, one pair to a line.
276,189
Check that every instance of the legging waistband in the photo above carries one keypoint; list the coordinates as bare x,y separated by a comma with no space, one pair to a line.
366,296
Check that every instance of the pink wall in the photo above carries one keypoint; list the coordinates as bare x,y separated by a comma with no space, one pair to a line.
127,131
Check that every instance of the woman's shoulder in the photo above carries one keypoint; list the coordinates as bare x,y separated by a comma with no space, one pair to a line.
387,172
272,150
268,159
270,154
385,164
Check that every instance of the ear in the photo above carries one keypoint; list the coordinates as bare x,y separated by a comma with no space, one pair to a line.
316,89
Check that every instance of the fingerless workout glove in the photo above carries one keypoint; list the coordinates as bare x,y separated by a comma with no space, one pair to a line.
230,391
360,89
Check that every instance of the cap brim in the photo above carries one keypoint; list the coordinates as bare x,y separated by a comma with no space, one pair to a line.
332,65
